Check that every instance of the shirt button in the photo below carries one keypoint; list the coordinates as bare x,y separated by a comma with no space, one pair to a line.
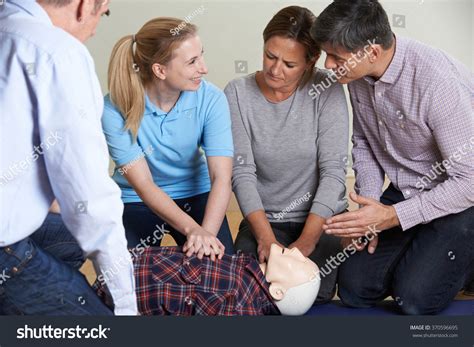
380,122
8,250
379,94
407,192
401,170
188,300
402,126
385,149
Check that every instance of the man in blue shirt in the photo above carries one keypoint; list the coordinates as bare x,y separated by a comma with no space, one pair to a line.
52,145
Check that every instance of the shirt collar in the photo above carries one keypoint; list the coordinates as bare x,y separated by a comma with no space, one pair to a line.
186,101
33,8
396,65
253,267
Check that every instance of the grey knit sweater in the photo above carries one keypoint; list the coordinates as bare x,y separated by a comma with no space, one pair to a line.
290,157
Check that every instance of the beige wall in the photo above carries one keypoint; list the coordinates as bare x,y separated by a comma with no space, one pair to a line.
231,30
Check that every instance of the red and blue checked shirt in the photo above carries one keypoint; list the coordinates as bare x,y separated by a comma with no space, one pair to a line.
169,283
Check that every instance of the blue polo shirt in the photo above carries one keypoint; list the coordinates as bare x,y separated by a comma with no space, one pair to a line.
174,144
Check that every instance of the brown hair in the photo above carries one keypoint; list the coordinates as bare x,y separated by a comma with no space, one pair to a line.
294,22
131,61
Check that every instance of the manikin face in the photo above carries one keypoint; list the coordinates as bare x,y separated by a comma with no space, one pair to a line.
287,268
186,68
347,66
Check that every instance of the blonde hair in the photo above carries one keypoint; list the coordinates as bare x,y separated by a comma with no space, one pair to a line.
131,61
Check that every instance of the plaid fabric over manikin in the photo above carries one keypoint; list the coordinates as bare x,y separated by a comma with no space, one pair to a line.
169,283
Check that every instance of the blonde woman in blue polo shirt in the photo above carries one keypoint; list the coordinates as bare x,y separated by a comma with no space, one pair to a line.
169,134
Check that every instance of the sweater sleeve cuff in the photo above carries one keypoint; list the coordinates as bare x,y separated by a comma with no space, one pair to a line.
372,194
321,210
248,198
251,206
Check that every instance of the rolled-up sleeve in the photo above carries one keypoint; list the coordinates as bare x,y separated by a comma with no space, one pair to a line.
77,167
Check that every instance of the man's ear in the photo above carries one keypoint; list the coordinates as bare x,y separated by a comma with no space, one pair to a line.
159,71
84,9
374,52
277,292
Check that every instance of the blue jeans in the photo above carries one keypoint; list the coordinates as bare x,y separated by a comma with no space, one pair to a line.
144,227
422,268
40,275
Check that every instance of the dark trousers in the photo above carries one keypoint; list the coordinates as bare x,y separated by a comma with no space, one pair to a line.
144,228
422,268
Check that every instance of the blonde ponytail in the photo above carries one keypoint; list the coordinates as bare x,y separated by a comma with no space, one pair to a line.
130,70
126,89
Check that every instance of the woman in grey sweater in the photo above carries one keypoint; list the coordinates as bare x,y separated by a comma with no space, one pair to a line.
290,128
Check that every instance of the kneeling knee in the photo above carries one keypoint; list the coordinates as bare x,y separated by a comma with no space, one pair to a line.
413,309
355,294
417,304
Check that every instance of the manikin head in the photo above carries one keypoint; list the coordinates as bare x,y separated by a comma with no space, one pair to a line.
294,280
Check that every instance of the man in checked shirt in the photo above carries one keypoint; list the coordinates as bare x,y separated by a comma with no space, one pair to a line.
413,109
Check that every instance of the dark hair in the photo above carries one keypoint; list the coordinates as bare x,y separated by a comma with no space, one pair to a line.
350,24
294,22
